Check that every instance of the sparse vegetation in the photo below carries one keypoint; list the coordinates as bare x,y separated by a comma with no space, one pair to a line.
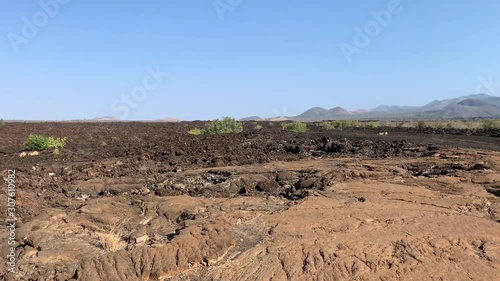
2,123
227,125
111,240
489,124
327,125
195,132
39,142
436,125
340,124
432,124
371,125
294,127
258,127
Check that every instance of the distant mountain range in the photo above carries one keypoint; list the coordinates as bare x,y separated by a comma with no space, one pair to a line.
115,119
473,106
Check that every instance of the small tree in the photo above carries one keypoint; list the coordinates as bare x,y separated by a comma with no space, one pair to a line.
294,127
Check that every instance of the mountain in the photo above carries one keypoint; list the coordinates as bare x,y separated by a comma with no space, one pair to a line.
169,120
252,118
438,105
361,111
468,108
319,113
493,100
312,113
393,108
473,106
106,119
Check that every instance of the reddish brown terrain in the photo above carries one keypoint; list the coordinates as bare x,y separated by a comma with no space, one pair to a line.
147,201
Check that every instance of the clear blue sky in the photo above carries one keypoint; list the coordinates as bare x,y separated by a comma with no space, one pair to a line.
264,58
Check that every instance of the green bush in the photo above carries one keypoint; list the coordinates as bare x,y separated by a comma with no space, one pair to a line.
340,124
195,132
371,125
2,123
327,125
227,125
489,124
436,125
421,124
294,127
39,142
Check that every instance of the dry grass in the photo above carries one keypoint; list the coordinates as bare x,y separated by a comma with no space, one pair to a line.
111,240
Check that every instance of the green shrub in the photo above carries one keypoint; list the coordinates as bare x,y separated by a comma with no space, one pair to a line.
195,132
340,124
39,142
421,125
372,125
294,127
2,123
436,125
489,124
227,125
327,125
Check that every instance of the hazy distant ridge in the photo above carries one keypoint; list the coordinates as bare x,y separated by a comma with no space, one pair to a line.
473,106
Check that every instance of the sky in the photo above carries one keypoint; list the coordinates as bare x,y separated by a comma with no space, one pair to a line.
204,59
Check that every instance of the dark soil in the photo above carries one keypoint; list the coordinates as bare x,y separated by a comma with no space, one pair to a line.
141,150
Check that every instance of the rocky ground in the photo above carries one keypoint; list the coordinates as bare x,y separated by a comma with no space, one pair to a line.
147,201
